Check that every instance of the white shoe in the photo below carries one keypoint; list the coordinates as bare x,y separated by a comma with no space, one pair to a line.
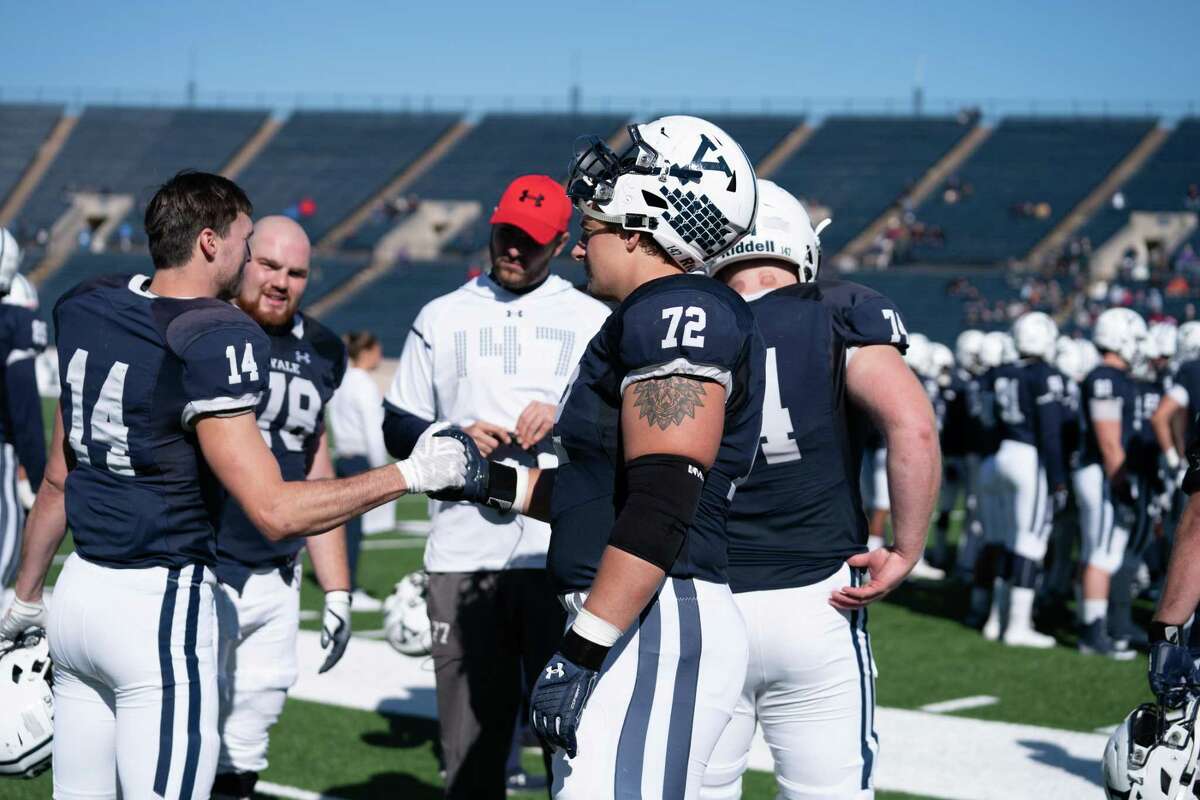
991,628
361,601
925,572
1028,637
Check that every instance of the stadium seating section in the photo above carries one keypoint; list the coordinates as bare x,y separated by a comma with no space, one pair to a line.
133,150
1025,161
1160,185
23,128
337,161
925,298
858,166
501,147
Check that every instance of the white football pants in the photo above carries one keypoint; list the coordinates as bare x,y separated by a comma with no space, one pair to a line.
135,682
666,691
1103,540
1014,500
257,659
811,684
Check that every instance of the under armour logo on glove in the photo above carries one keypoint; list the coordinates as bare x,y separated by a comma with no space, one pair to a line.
557,702
537,199
555,671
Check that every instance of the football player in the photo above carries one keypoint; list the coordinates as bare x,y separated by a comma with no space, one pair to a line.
258,597
798,561
493,357
1105,488
22,437
657,427
160,378
963,437
1027,480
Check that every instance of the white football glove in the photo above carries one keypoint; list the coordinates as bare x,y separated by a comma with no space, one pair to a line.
335,628
25,494
436,463
20,617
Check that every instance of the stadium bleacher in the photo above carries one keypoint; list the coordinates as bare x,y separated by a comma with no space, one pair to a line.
495,151
1160,185
926,298
337,160
1024,163
24,129
133,150
858,166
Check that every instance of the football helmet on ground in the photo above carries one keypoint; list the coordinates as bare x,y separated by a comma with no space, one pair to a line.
26,707
405,617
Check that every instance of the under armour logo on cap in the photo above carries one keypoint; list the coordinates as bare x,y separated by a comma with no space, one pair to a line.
537,199
555,671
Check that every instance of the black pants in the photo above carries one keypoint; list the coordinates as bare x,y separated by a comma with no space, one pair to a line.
492,634
345,468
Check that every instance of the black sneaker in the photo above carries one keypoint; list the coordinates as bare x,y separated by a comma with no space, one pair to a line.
1094,641
522,781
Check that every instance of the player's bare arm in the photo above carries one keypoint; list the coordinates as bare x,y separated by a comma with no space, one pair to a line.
239,458
672,416
879,382
1166,432
47,523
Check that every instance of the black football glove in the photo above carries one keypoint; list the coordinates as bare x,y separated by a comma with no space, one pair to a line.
484,482
562,691
1172,670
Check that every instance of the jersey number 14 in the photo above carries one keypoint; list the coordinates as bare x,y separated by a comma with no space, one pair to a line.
778,443
108,418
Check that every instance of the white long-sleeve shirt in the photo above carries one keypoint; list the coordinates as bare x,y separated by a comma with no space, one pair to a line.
356,418
484,353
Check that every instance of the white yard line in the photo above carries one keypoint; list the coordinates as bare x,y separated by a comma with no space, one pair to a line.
960,704
936,755
392,544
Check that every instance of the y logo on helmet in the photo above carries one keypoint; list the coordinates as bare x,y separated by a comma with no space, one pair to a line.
695,170
555,670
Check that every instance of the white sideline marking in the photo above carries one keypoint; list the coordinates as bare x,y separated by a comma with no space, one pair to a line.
289,792
1107,730
960,704
392,544
935,755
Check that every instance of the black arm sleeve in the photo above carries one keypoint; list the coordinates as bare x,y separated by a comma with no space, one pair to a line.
25,410
401,431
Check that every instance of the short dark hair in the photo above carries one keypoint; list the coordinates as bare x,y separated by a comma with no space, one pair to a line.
358,342
185,205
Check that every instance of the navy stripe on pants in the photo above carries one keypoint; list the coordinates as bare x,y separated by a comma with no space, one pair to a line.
166,724
192,664
856,617
631,748
683,702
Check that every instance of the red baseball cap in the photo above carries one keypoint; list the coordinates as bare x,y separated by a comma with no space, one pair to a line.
537,205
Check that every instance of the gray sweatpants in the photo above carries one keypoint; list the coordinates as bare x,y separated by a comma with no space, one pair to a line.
492,634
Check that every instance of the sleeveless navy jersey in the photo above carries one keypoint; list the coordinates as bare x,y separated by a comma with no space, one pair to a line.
956,424
136,372
1106,383
799,515
1029,398
680,324
307,364
22,337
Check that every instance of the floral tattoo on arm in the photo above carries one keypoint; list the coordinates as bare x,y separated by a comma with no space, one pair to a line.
668,401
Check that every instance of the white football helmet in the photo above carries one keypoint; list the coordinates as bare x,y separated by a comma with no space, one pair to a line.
941,362
966,349
405,617
10,259
682,179
919,355
1187,342
21,293
1165,336
992,351
1068,359
26,708
781,231
1120,331
1088,354
1034,334
1152,754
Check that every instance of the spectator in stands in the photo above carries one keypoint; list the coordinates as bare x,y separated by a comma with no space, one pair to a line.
1192,200
356,421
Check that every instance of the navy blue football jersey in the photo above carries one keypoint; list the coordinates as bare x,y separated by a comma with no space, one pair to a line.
680,324
1187,381
137,370
1144,450
1106,383
799,515
956,422
22,337
1072,425
307,364
1029,398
